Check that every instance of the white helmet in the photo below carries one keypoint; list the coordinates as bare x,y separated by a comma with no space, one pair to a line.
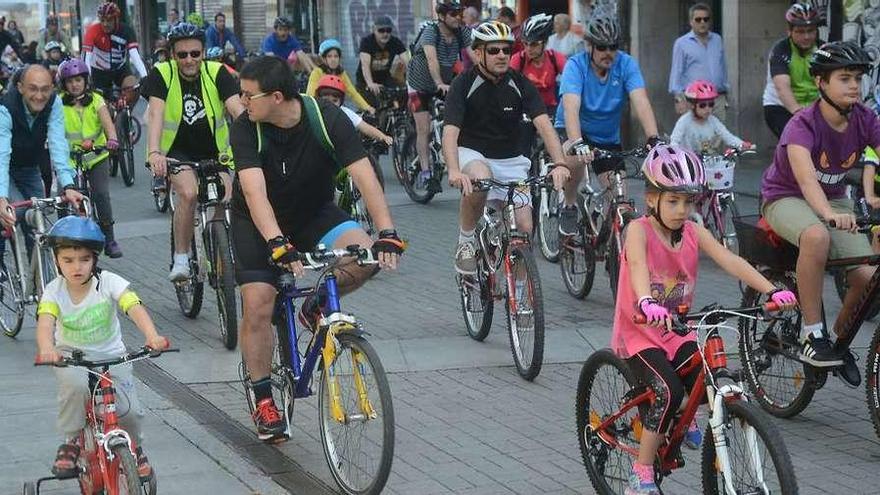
538,27
492,32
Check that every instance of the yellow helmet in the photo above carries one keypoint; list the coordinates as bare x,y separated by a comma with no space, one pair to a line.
491,32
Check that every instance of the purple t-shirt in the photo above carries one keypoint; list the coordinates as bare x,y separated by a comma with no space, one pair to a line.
833,153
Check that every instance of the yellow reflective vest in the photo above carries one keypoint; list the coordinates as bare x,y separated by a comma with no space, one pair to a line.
83,123
214,106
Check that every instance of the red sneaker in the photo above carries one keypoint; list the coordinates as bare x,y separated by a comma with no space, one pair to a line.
270,424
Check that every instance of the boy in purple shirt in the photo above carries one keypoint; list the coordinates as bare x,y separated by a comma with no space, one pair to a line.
804,194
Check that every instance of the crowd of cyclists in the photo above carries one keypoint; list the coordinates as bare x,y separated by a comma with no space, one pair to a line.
284,144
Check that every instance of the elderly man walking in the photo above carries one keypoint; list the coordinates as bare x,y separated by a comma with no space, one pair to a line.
563,40
699,55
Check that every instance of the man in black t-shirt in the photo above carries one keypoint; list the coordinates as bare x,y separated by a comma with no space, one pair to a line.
283,202
378,51
482,133
187,98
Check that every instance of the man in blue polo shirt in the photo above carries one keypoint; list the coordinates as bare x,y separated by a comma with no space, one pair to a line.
595,87
281,42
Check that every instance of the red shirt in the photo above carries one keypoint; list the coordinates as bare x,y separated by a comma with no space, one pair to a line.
543,76
111,50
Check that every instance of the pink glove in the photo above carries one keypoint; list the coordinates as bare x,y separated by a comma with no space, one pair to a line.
655,313
112,144
783,297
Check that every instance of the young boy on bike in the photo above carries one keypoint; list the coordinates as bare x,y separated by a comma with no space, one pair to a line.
77,313
658,273
699,130
804,193
86,118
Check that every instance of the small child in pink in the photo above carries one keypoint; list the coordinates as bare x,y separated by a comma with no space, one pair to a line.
659,272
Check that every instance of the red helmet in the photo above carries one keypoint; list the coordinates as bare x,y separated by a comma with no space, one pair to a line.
803,14
329,81
701,90
108,10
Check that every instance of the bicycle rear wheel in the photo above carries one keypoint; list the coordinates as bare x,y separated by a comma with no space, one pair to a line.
189,292
759,461
359,449
577,262
780,383
48,270
135,131
224,279
126,162
612,262
872,381
525,321
12,305
409,173
604,381
128,481
547,224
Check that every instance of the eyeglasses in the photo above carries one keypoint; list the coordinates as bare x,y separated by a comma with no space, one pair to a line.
245,97
702,19
495,50
604,48
535,43
384,30
706,104
192,53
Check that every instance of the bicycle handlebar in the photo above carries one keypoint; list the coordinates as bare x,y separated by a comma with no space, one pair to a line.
866,223
76,359
322,258
679,321
487,184
205,166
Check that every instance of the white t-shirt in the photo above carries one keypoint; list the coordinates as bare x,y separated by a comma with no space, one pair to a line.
567,45
352,116
93,324
704,136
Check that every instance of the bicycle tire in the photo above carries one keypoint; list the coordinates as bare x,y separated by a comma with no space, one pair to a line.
872,381
477,319
788,387
48,270
745,413
358,209
612,263
129,483
338,459
30,488
606,478
410,172
136,130
126,151
224,274
573,249
401,152
12,307
114,164
547,223
189,293
527,356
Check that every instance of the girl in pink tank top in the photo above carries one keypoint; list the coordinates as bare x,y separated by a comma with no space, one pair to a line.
658,272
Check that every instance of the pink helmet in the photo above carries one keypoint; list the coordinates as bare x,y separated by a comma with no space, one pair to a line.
672,168
72,68
701,90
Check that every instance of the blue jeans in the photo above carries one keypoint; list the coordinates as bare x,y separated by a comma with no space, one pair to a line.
24,183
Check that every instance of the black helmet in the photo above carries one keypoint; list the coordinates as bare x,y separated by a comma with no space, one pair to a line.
537,28
444,8
282,22
185,31
839,55
803,14
602,30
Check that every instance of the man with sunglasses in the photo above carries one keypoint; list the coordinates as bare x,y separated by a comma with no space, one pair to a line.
482,131
790,87
288,150
699,56
595,87
435,58
378,51
187,98
109,45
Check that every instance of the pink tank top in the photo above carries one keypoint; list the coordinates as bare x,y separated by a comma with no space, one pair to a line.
673,274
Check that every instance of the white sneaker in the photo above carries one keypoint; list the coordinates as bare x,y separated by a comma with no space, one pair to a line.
179,272
466,259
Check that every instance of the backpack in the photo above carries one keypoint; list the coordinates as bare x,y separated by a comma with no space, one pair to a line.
551,54
415,49
316,125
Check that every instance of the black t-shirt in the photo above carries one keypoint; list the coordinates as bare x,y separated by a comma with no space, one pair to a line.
194,140
298,171
490,118
380,64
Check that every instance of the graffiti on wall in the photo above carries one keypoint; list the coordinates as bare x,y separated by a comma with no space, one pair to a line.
361,14
861,23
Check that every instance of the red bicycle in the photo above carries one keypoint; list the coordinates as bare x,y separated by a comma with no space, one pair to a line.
107,462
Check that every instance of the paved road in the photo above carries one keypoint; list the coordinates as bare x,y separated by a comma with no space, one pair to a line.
466,423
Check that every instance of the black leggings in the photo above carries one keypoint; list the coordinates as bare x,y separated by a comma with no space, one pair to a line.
653,369
776,117
99,180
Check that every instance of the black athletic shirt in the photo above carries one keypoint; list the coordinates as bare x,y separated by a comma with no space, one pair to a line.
380,58
299,172
490,114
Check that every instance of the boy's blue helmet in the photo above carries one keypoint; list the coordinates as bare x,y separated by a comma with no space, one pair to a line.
75,231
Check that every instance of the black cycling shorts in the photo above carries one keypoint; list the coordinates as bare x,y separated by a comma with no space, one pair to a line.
252,254
604,164
776,116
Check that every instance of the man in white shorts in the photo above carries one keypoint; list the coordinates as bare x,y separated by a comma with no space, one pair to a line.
483,115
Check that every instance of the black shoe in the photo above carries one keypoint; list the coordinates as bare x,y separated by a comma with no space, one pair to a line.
849,372
568,220
819,352
433,186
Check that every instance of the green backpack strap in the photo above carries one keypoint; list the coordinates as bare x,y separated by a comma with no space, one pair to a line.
316,125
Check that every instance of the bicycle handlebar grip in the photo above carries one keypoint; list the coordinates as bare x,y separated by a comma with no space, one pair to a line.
771,307
640,319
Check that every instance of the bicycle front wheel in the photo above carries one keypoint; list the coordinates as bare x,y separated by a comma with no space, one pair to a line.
190,291
135,131
758,459
577,262
224,278
872,381
126,158
359,446
11,296
48,271
476,303
605,379
525,312
780,383
612,262
127,480
410,171
547,224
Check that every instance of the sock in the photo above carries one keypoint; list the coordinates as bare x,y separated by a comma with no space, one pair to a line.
466,236
262,389
181,259
644,472
814,331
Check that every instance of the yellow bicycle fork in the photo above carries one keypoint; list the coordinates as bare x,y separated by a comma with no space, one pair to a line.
328,354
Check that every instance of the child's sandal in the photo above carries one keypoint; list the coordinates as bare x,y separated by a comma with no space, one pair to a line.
65,461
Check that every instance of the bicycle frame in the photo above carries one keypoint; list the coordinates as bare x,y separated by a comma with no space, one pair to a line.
36,219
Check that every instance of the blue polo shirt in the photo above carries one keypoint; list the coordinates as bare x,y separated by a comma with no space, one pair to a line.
601,101
278,48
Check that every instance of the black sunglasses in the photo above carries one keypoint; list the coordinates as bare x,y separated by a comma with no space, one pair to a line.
192,53
495,50
702,19
384,30
603,48
704,104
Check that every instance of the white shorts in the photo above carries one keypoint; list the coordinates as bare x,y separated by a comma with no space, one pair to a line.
502,169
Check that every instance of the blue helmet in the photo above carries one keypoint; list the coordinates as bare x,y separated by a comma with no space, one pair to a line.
214,53
329,44
75,231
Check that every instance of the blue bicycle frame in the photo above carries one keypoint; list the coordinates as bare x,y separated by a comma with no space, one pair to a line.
287,293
